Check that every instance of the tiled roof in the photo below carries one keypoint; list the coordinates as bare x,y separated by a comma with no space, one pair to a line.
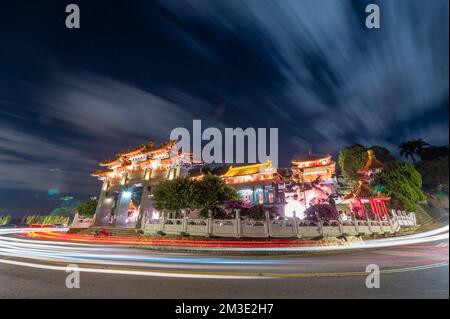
247,169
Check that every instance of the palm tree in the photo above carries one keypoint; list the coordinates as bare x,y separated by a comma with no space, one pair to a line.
413,147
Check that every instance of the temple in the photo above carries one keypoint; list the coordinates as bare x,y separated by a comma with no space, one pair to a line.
128,179
125,196
363,194
309,169
372,166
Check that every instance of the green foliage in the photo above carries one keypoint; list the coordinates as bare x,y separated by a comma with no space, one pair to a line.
403,183
435,173
54,219
344,185
352,158
174,195
63,211
5,219
258,212
45,219
207,195
87,208
382,154
212,191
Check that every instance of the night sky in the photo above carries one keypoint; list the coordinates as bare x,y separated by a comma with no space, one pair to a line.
70,98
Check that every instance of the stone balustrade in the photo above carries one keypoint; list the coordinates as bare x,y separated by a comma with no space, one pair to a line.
289,228
82,222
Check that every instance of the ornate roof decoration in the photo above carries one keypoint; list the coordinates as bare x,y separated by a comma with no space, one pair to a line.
364,191
99,173
372,163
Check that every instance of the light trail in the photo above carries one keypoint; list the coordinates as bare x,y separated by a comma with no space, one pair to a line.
44,254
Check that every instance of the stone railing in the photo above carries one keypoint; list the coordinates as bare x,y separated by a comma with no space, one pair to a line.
404,219
290,228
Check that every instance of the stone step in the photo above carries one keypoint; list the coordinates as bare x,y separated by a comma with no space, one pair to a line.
422,217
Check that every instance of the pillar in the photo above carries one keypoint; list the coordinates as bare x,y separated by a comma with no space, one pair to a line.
295,225
121,213
101,199
145,205
267,228
384,209
209,225
237,224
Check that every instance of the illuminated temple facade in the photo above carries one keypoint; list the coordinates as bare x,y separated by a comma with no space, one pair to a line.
128,179
257,183
125,196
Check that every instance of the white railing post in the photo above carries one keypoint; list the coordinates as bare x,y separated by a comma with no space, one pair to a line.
143,221
162,221
295,224
267,228
381,224
185,219
237,224
341,227
390,222
321,228
209,225
355,221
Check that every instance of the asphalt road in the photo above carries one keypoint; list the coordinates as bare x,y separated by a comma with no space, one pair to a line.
408,271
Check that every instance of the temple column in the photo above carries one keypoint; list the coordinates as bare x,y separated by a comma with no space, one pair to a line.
145,205
372,206
103,207
384,209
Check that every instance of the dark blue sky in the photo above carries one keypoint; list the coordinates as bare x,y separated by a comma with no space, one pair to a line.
136,70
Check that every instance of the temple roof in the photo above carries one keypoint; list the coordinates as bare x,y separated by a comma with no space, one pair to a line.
364,191
147,148
312,158
101,173
111,162
372,163
132,151
247,169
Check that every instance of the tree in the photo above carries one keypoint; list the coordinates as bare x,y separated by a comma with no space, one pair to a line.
63,211
344,185
353,157
258,212
87,208
433,152
174,195
382,154
321,212
235,205
210,193
5,219
403,183
413,147
435,173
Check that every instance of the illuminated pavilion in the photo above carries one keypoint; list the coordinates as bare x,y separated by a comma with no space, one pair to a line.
363,196
309,169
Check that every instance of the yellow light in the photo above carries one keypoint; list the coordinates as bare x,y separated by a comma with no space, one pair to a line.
155,163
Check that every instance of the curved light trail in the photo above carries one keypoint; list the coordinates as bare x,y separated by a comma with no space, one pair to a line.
113,255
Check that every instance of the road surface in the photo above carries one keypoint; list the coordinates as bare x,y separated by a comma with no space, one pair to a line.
36,269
